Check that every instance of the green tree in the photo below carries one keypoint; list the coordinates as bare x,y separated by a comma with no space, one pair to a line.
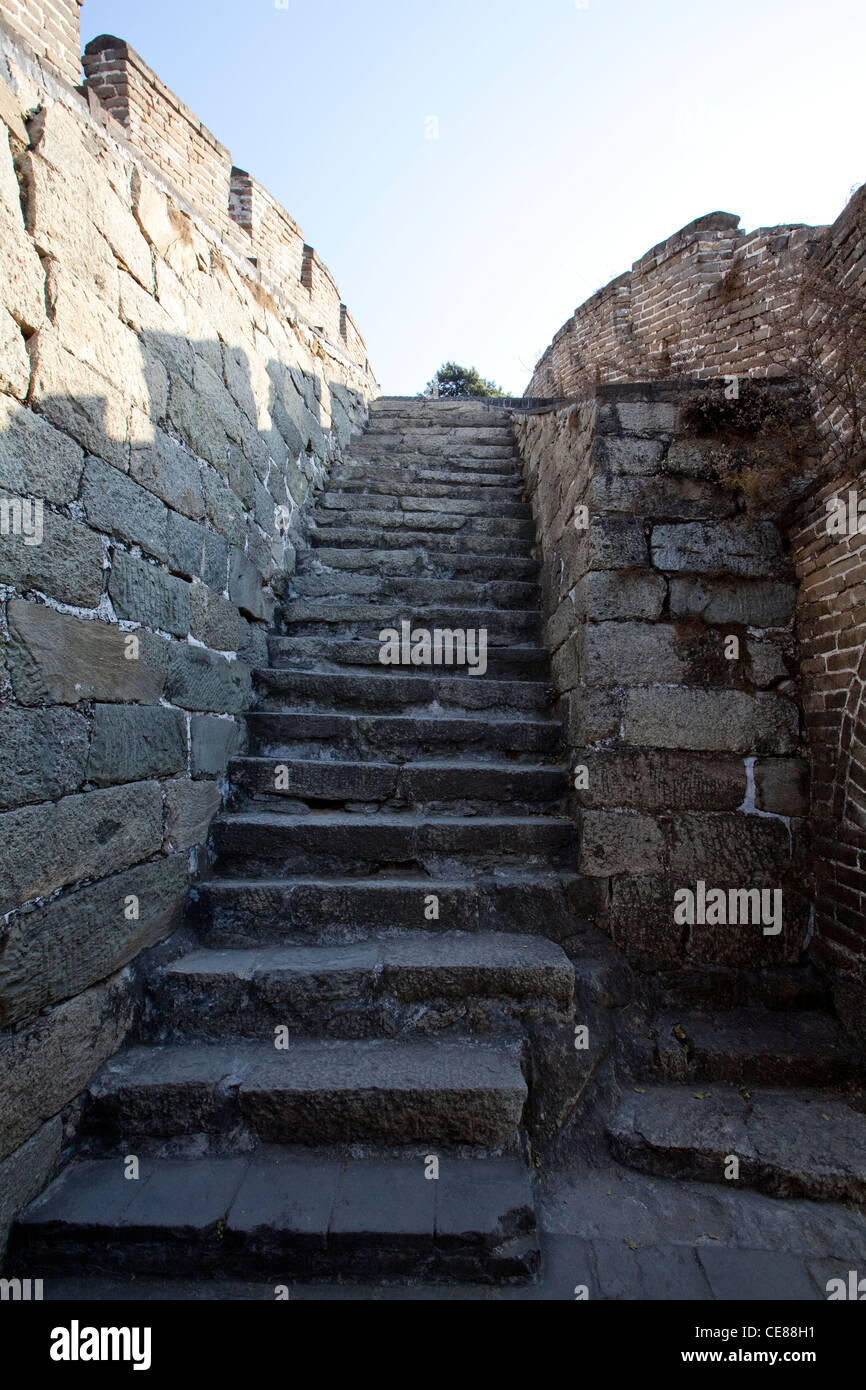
453,382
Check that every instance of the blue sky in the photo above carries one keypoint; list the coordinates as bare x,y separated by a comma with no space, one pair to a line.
571,138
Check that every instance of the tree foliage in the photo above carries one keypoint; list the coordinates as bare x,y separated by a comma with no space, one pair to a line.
453,382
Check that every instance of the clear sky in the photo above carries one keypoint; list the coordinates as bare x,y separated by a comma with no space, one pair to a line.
570,137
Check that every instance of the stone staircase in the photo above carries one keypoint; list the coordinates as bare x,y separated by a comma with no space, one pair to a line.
765,1075
366,979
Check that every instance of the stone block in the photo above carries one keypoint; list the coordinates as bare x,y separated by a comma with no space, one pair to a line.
22,274
616,455
622,653
725,721
52,844
591,716
753,603
642,919
750,549
782,786
216,562
223,508
44,754
66,564
212,742
728,848
660,780
618,594
144,594
115,504
35,458
246,589
190,808
615,842
48,1064
133,742
25,1172
55,658
170,472
74,397
87,934
201,680
14,360
185,544
214,620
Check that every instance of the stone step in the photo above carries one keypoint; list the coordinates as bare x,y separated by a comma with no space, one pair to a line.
362,475
439,411
754,1046
429,520
417,591
390,688
420,562
399,438
790,1143
437,785
466,542
411,462
418,982
514,662
368,619
494,429
236,912
284,1216
263,843
385,1092
433,504
401,736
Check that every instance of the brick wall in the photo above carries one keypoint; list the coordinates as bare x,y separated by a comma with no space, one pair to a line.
52,28
163,425
831,569
159,125
692,757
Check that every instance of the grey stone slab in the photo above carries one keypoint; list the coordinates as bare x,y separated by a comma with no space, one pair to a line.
756,1275
86,934
378,1200
213,742
134,742
82,836
201,680
148,595
44,754
485,1200
280,1202
89,1195
116,505
660,1273
59,659
66,565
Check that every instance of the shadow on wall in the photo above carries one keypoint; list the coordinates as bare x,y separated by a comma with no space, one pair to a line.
143,534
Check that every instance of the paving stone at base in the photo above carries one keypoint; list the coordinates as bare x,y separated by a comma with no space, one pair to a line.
655,1272
756,1275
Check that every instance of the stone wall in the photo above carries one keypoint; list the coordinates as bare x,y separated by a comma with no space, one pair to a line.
713,300
163,128
670,608
52,30
829,553
165,418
